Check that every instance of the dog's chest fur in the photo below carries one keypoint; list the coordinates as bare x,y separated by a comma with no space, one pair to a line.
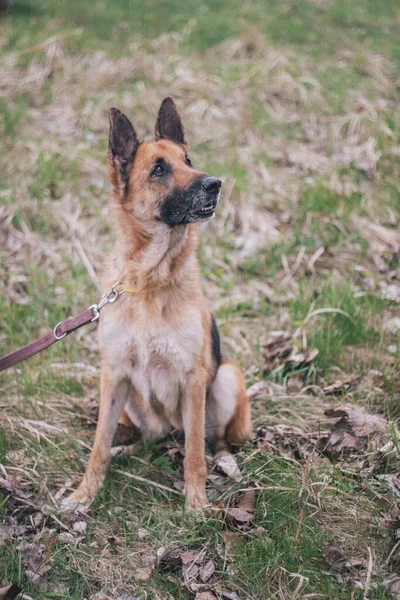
156,355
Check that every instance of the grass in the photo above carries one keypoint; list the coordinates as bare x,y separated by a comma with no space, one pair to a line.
294,106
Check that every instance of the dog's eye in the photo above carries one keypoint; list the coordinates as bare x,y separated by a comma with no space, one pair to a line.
188,161
158,170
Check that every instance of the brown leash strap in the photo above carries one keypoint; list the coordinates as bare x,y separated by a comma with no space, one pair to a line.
61,330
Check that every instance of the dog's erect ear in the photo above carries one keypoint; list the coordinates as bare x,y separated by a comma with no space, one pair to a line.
123,143
169,125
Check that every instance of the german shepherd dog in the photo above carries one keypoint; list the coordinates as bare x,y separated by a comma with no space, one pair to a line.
161,360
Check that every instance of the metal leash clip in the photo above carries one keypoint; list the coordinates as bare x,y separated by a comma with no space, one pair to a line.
107,298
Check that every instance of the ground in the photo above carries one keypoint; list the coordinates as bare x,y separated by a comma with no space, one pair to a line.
295,106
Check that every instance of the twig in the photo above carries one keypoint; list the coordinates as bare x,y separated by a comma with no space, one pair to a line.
149,482
369,574
296,537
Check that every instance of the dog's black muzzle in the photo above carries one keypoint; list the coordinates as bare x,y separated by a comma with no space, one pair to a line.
193,204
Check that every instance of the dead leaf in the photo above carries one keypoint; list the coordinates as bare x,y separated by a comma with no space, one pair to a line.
205,596
352,432
334,558
248,500
207,571
239,515
300,359
230,595
361,422
79,526
143,573
339,385
226,463
295,383
11,527
287,440
392,585
278,349
191,556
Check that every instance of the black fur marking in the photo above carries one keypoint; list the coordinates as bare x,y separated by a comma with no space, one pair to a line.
190,205
215,341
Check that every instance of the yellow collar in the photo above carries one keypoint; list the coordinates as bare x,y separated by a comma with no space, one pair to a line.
121,289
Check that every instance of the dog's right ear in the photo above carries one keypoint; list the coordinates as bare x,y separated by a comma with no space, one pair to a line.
122,146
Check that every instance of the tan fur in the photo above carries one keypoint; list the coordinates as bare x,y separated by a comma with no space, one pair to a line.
158,369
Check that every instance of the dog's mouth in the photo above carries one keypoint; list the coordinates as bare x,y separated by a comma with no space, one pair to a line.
206,212
190,206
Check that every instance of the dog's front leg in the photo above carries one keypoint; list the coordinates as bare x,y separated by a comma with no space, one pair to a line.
193,422
113,396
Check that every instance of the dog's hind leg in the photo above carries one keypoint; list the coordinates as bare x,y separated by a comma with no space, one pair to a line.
228,422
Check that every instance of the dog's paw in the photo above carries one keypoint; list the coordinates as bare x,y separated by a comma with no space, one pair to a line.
78,501
196,499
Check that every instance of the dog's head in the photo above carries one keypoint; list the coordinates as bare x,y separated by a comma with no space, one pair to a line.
156,181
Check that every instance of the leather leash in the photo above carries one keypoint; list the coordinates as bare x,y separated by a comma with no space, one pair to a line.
62,329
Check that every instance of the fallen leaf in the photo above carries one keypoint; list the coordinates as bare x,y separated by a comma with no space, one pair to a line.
334,558
339,385
79,526
361,422
240,515
205,596
278,350
300,359
295,383
392,585
207,571
11,527
226,463
352,432
191,556
276,347
248,500
230,596
143,573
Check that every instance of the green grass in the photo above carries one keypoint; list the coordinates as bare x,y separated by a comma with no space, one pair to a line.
331,332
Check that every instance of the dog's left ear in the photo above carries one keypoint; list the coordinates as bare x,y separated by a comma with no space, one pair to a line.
169,125
122,146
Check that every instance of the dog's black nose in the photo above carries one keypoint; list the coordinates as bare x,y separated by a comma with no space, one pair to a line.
212,184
